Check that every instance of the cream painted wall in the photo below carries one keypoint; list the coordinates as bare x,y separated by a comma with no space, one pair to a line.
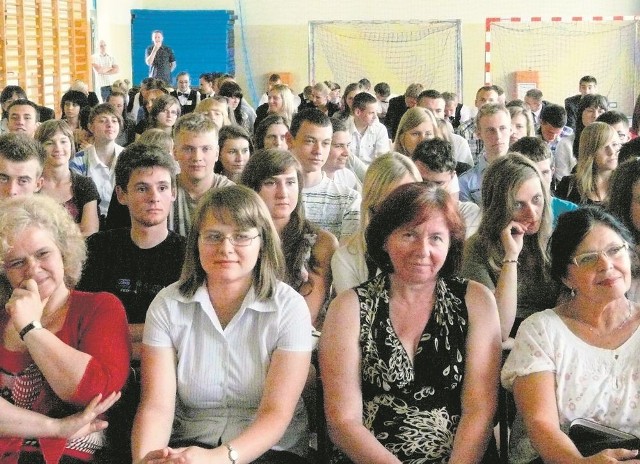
277,30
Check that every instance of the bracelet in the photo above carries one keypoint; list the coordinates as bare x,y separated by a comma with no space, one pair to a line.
507,261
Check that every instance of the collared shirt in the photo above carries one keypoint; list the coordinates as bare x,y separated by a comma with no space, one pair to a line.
374,141
333,207
467,130
161,66
106,60
221,372
471,181
87,163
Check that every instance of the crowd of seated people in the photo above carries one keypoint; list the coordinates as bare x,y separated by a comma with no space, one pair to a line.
211,244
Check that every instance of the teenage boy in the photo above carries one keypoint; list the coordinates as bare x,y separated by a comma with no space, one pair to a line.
369,136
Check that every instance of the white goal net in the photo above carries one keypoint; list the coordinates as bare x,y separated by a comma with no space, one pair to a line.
396,52
563,52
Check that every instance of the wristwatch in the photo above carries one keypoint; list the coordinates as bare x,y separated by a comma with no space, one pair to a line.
233,454
29,327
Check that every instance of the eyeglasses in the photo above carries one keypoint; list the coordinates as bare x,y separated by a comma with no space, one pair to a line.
591,258
239,239
170,112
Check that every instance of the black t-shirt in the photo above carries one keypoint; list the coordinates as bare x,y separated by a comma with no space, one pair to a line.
115,264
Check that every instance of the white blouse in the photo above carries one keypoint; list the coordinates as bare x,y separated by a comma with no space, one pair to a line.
591,382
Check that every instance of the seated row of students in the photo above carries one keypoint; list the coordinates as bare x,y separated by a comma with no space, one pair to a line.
310,138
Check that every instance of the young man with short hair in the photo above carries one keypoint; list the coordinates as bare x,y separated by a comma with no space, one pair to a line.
159,58
434,159
434,101
23,116
553,120
98,161
533,100
369,137
485,94
587,84
188,97
21,165
493,129
332,206
196,151
383,94
618,121
538,152
340,157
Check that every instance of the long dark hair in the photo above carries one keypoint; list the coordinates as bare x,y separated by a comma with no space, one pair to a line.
232,89
273,162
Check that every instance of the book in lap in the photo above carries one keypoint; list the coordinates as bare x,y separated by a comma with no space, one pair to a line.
591,438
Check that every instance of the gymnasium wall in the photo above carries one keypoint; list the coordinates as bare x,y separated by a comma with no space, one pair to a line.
276,31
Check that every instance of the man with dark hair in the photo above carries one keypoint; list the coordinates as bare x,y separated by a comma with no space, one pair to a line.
188,97
538,152
434,159
533,100
618,121
21,165
383,93
365,83
340,161
369,136
332,206
399,105
159,58
588,84
136,263
553,120
23,117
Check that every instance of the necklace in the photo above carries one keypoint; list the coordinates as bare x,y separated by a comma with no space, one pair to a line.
626,319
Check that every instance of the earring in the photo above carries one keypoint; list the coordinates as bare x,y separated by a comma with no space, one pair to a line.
573,292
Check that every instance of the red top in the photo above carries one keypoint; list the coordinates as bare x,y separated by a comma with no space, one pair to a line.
95,324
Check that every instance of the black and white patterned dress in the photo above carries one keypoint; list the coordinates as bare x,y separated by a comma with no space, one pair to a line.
413,409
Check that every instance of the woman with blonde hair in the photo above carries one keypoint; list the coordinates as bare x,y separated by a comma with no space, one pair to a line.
60,347
351,264
217,108
320,99
280,103
509,253
597,159
229,310
77,193
416,125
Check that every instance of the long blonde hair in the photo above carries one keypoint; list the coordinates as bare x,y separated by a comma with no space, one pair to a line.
594,137
411,119
379,181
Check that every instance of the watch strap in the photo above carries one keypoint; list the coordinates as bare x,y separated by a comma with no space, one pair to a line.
233,454
29,327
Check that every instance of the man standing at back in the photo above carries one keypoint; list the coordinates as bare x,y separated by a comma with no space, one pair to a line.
104,66
160,58
588,84
493,129
331,206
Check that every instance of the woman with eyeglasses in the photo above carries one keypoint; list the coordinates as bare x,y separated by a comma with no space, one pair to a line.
226,349
164,113
579,359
